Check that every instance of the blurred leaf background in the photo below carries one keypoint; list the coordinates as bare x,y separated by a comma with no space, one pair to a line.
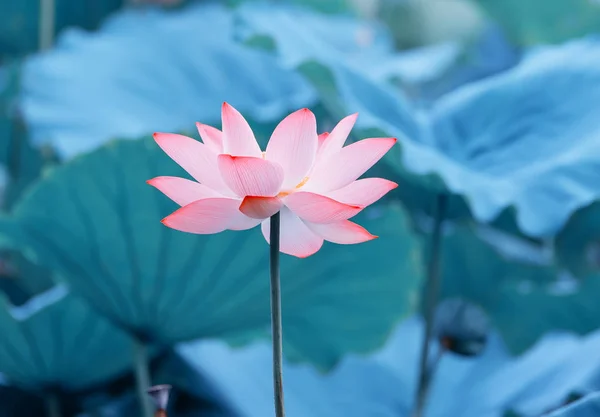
498,161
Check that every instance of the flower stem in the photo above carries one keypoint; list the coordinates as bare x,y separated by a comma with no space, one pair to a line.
46,24
276,316
142,375
432,286
52,405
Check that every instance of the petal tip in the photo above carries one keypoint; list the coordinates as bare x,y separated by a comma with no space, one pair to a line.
160,137
304,255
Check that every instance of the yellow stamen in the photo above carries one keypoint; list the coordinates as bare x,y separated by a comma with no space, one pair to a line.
304,181
286,193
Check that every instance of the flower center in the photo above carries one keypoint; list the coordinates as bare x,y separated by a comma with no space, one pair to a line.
300,184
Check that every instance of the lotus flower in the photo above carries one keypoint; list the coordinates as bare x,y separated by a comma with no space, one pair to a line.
310,179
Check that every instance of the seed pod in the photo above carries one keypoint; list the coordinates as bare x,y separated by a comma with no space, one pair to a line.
461,327
160,396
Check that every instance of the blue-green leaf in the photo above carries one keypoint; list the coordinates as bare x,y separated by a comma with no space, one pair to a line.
588,406
168,78
55,341
21,163
330,6
384,384
544,21
19,32
524,301
501,142
98,223
578,244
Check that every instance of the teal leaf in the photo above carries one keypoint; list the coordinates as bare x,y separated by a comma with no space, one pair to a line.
19,33
497,143
21,162
55,341
329,6
524,301
357,387
170,77
21,279
420,22
300,36
544,21
96,221
577,246
588,406
383,384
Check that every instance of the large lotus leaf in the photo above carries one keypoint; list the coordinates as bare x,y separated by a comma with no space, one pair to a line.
578,244
330,6
524,301
541,379
151,70
425,72
96,221
21,163
21,279
544,21
525,138
588,406
489,54
19,33
57,341
301,35
357,387
384,384
421,22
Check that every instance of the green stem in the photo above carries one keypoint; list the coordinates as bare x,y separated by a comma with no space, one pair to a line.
52,405
276,328
142,375
46,23
432,286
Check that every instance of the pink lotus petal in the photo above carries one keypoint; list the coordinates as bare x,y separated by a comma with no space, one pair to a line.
251,176
348,164
242,222
213,138
238,138
260,207
196,158
344,232
181,190
322,137
293,145
363,192
317,208
337,137
296,238
211,215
